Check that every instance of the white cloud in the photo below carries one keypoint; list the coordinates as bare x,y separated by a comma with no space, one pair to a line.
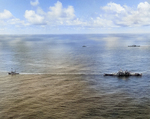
35,3
5,15
114,15
101,22
6,19
138,17
60,13
56,15
40,11
17,22
143,7
34,18
76,22
56,11
126,16
113,7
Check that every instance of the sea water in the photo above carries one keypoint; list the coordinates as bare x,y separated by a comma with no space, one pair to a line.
61,76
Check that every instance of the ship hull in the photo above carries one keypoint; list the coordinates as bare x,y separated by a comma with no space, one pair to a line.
124,75
12,73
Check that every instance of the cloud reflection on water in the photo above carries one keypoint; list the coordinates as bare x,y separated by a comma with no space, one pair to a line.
64,53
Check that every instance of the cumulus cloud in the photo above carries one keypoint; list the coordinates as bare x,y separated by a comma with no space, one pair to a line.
113,7
58,12
6,19
34,18
40,11
56,15
5,15
34,3
114,15
126,16
138,17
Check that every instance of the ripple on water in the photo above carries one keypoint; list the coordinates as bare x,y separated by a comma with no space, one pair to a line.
65,96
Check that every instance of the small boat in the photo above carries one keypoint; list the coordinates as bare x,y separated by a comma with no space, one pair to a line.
12,73
123,74
134,46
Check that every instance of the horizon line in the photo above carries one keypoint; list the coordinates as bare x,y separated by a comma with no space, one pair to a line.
68,33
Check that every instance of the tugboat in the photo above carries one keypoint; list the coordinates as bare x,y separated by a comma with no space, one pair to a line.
12,73
123,74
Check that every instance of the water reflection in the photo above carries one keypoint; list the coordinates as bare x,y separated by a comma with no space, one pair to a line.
74,85
59,53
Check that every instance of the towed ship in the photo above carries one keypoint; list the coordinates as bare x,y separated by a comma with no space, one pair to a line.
12,73
123,74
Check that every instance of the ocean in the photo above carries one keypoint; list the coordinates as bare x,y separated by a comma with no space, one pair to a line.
61,76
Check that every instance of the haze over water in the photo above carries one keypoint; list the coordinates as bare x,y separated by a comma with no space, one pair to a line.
59,78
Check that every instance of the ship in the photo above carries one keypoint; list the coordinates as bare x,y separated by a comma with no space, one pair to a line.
134,46
12,73
123,74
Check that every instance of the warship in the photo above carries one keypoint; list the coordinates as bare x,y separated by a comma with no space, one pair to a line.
123,74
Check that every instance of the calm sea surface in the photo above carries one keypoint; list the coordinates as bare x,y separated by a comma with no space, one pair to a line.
59,78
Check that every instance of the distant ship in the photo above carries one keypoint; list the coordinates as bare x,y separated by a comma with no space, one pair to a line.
134,46
123,74
12,73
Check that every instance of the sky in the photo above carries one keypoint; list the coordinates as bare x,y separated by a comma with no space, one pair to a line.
74,16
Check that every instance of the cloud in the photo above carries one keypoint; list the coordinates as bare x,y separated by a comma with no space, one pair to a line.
34,18
56,15
6,14
76,22
114,15
101,22
126,16
17,22
139,17
60,13
113,7
40,11
6,19
35,3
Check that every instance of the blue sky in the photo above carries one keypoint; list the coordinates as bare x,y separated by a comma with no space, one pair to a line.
74,16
